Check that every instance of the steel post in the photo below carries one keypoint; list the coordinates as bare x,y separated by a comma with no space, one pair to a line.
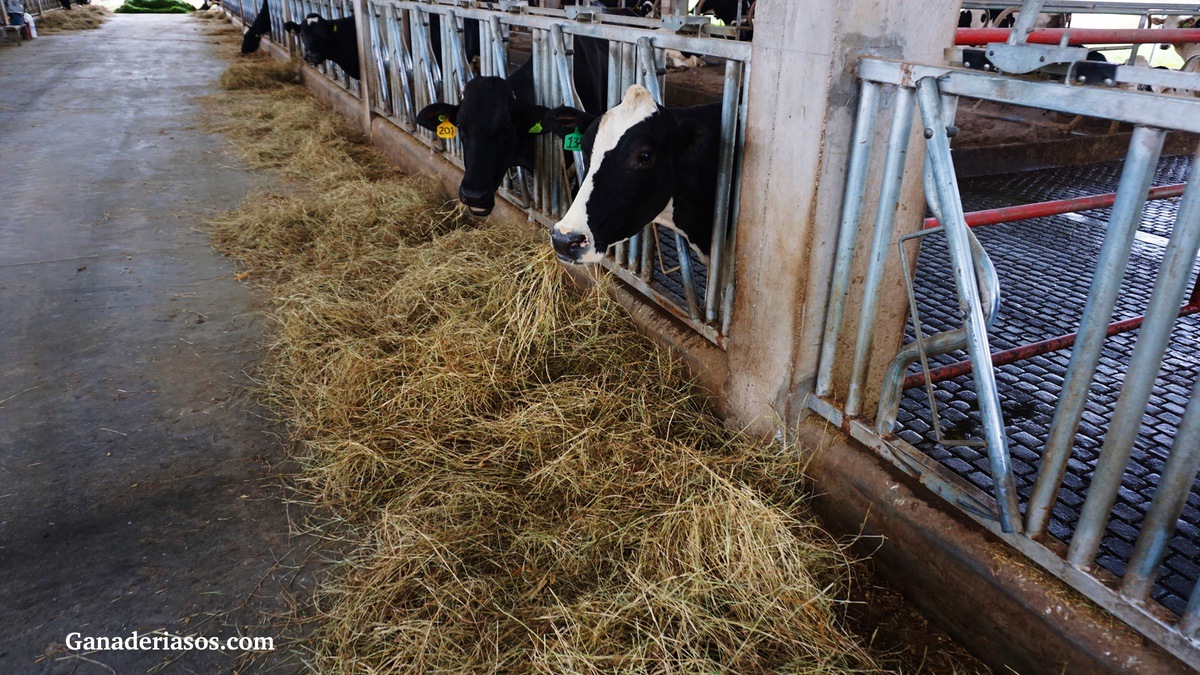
1168,293
957,240
1170,496
856,185
1140,162
885,224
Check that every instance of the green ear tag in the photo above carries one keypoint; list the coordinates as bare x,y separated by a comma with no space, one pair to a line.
573,142
446,129
335,27
536,128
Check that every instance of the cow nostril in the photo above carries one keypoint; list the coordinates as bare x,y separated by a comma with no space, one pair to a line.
468,196
569,239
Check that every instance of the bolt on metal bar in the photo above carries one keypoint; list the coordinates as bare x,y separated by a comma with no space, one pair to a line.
1170,496
1168,293
885,225
957,240
856,185
1136,177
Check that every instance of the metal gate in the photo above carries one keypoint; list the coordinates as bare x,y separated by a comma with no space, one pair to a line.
407,76
1021,517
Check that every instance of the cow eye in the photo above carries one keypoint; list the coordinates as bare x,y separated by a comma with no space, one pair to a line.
645,157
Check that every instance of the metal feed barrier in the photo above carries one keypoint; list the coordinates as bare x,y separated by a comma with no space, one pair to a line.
934,92
407,76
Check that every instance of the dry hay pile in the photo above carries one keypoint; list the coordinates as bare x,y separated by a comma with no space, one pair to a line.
79,17
518,480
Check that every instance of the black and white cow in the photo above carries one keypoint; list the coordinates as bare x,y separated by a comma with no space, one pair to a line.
727,11
260,27
496,124
324,40
642,159
498,119
620,7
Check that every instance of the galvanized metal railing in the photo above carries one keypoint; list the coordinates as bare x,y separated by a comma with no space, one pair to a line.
407,76
933,91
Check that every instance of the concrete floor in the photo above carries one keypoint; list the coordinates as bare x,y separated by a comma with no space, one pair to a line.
138,488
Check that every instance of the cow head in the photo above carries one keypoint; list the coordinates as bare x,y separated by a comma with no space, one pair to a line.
251,41
494,128
630,173
316,35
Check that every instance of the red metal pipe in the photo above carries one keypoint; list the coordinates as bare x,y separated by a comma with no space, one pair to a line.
1082,36
1054,344
1010,214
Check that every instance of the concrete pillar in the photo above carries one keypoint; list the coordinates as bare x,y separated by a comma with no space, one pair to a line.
802,99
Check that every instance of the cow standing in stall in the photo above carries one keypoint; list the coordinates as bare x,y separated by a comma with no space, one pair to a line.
497,120
643,159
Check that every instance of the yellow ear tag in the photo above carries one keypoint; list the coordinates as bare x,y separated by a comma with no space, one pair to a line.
446,129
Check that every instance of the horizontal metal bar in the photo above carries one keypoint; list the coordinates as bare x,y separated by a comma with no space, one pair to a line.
1009,214
1047,346
1081,36
725,49
1089,7
1134,107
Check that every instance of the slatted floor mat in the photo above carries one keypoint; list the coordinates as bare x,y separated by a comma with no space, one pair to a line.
1045,267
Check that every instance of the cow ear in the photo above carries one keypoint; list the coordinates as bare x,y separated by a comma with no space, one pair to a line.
433,115
564,120
529,119
291,27
690,135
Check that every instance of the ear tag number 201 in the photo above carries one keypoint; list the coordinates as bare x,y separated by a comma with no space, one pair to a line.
446,129
573,142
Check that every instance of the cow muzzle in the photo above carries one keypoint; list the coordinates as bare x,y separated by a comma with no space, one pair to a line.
572,247
478,203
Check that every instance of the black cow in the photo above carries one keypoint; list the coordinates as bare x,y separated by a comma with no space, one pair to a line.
496,123
498,119
642,157
324,40
260,27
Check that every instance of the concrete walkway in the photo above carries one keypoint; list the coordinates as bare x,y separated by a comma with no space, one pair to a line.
137,488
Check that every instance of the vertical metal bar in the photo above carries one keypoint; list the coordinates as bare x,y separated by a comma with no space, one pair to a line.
885,222
728,273
688,278
1025,21
1170,496
958,241
1136,177
569,96
856,185
1169,291
1189,624
729,111
499,51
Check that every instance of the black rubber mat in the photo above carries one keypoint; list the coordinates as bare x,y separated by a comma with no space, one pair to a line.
1045,267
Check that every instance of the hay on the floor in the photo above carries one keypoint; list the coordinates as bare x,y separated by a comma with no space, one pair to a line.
155,7
79,17
519,480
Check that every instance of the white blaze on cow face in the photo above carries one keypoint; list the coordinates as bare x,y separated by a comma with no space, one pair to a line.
637,106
